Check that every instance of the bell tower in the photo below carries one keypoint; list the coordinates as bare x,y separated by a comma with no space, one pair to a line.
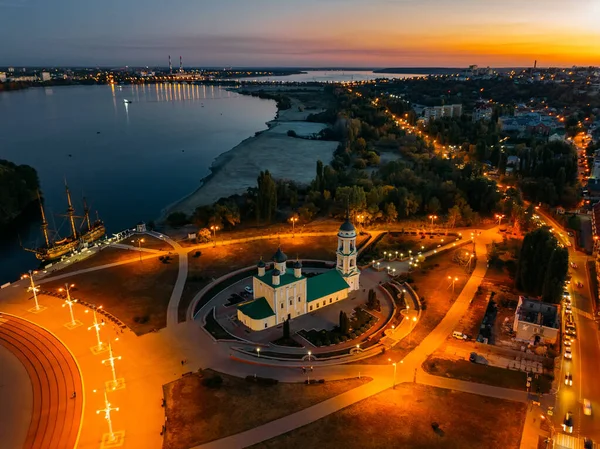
347,253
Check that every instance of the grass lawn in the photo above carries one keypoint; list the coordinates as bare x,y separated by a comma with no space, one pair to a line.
489,375
137,293
403,417
220,260
149,242
431,283
197,414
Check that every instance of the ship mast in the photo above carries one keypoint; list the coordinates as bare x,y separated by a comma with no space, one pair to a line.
86,211
71,211
44,222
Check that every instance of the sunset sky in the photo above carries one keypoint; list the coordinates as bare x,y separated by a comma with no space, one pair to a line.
358,33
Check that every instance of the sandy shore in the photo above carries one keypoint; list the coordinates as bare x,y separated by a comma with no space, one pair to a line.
285,157
235,171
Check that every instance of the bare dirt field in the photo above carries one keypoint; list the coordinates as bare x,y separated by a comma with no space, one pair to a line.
137,293
403,418
197,413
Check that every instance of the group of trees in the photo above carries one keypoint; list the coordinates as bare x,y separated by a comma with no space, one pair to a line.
542,266
19,185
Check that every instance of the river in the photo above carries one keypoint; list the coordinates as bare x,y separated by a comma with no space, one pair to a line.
129,160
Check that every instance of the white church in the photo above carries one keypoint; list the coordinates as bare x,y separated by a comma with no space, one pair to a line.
283,293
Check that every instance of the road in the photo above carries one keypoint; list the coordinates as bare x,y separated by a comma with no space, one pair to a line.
585,365
54,376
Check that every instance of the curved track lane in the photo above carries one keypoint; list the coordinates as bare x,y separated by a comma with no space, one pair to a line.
54,375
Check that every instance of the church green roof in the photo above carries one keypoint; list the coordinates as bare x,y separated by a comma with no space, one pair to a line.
325,284
257,309
285,278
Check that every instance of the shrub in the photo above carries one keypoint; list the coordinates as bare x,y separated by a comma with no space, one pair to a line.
292,133
352,335
336,340
318,343
212,382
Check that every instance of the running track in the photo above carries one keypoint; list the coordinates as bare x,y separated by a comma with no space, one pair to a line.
54,374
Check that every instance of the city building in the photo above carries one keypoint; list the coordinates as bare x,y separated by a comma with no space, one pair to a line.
435,112
483,112
45,76
2,77
283,293
536,321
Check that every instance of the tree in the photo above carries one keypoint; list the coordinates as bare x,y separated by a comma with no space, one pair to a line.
266,200
542,265
433,206
177,219
320,177
391,214
286,329
344,323
454,216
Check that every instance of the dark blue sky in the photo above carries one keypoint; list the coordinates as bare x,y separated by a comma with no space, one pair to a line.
299,32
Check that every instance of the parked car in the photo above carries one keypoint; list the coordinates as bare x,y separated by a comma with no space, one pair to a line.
588,443
569,233
473,357
587,407
568,354
569,379
459,335
566,294
249,290
573,265
567,424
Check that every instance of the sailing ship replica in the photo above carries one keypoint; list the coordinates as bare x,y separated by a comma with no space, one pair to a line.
55,249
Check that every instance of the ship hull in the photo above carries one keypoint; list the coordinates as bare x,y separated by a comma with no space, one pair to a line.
57,251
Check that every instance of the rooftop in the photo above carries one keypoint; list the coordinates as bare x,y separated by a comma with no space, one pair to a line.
325,284
537,312
284,278
257,309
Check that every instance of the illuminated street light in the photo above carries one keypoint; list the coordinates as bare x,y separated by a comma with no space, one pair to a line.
432,217
33,288
69,302
111,437
293,220
100,347
309,355
140,241
214,229
258,352
499,217
115,383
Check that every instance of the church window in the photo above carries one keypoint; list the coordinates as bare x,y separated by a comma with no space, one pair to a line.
310,308
265,325
282,305
351,262
317,305
291,302
323,303
299,299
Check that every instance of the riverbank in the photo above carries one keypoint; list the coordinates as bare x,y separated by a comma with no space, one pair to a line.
293,158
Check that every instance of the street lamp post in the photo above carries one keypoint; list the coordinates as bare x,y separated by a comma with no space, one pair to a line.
258,352
33,288
100,347
214,229
140,241
394,364
499,217
111,360
69,302
107,409
293,220
432,217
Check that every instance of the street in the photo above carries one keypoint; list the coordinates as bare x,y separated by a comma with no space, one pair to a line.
586,354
